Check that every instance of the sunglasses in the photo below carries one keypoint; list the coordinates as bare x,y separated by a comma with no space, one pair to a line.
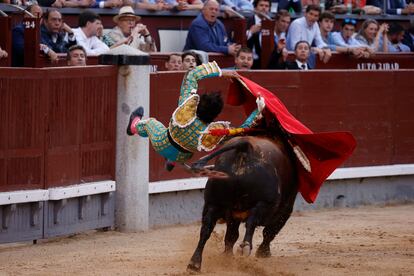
350,21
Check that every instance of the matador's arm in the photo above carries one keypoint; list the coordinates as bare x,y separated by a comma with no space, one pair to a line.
189,85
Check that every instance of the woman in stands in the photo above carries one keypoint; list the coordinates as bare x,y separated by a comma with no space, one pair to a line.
371,33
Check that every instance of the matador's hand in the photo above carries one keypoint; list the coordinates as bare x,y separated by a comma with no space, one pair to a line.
230,74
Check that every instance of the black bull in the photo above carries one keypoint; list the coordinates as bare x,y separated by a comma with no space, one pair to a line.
260,191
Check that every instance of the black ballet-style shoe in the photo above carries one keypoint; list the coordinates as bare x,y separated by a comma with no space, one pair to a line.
137,113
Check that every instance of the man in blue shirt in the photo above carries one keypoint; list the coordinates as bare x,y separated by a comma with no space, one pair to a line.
345,37
394,42
208,34
306,28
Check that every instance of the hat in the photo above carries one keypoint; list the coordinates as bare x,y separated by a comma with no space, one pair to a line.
126,11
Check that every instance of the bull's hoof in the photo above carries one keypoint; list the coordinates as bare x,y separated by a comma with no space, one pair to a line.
245,249
193,267
263,253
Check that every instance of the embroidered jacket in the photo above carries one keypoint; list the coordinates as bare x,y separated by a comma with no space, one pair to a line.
185,128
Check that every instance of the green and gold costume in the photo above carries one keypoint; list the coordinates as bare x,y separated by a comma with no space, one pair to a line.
186,133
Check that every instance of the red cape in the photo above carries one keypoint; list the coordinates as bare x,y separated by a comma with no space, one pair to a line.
326,151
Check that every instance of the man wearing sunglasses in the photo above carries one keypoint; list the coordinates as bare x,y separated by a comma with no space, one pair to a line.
326,24
345,37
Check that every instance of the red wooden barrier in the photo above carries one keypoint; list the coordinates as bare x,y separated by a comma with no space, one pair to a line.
57,126
268,41
32,42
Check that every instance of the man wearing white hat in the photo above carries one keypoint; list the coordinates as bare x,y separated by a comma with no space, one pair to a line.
127,31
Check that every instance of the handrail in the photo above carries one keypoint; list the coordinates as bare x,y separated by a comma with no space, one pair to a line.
262,14
20,9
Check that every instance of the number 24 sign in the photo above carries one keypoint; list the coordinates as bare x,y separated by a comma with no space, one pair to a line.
29,24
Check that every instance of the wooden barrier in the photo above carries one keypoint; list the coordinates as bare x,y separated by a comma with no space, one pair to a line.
378,113
57,126
380,61
268,41
32,57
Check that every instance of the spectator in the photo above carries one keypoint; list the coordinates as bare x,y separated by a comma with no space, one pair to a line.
208,34
345,37
89,24
243,59
3,53
395,37
190,60
254,26
295,5
306,28
184,5
371,33
156,5
18,36
82,3
282,22
394,6
409,37
237,5
174,62
56,36
326,24
127,31
302,53
76,56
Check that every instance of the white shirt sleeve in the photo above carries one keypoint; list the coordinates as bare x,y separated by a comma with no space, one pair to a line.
294,35
318,37
98,47
92,45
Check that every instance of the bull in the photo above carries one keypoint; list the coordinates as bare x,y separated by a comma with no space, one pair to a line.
260,190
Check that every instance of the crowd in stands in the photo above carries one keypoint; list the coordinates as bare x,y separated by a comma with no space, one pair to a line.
309,36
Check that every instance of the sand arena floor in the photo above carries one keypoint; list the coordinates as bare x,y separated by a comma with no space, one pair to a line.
360,241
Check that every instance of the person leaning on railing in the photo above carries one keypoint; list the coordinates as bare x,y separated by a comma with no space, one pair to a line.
395,37
326,25
307,28
371,33
55,35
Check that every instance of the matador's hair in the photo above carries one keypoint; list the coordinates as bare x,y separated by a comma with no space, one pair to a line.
210,106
